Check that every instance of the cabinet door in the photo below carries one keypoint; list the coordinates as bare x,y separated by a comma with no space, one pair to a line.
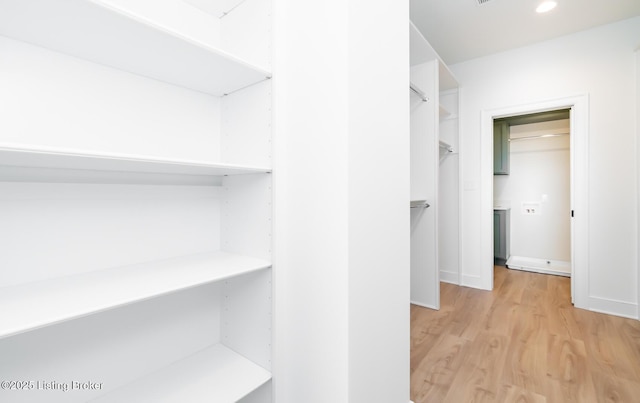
501,236
498,245
500,148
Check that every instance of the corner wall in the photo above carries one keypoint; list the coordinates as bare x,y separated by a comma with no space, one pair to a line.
341,175
378,215
601,63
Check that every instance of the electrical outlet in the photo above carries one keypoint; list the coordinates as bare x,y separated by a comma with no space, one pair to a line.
531,208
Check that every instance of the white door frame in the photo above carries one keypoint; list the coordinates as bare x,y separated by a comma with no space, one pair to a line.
579,140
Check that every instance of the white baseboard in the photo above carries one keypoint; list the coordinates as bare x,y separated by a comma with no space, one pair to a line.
424,305
472,281
535,265
613,307
449,277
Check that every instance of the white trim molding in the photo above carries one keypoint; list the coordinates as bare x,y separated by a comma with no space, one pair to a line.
468,280
451,277
430,306
613,307
579,105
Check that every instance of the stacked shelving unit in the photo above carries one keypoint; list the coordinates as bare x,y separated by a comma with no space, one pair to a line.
136,200
425,150
449,177
434,173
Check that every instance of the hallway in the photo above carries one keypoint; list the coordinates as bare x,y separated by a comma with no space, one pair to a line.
521,342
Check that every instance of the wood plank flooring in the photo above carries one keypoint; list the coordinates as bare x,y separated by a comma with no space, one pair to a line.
522,342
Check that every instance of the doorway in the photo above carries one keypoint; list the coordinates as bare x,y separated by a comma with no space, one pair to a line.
578,107
531,192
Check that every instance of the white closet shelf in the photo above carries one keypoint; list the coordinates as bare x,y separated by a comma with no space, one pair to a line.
17,155
105,33
38,304
444,112
215,374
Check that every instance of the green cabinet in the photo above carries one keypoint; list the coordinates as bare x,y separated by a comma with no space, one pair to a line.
501,236
500,148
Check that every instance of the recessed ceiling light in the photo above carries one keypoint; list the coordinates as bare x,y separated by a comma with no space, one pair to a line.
546,6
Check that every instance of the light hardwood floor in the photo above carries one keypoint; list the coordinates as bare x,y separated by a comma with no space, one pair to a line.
522,342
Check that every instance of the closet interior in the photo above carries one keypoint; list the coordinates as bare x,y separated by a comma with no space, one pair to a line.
136,200
435,174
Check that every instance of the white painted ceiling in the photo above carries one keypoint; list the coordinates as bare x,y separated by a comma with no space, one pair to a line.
461,30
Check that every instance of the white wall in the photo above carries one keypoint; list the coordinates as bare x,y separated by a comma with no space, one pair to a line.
342,184
311,210
599,62
638,159
539,173
378,217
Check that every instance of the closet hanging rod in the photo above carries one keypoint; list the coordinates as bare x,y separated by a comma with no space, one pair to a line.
418,92
540,136
419,204
446,146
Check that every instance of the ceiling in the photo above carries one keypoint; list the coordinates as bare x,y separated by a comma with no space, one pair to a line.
461,30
